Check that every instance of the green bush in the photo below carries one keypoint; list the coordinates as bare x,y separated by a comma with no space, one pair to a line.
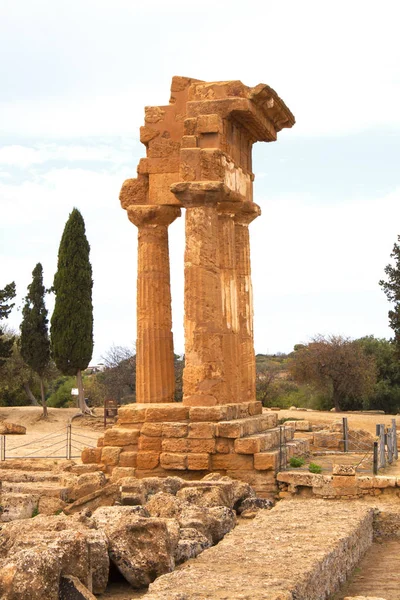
61,397
296,462
314,468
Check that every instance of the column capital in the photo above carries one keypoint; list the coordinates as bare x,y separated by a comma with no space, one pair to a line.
150,215
247,213
201,193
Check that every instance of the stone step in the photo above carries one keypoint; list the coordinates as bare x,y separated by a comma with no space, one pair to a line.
28,476
270,460
36,488
261,442
244,427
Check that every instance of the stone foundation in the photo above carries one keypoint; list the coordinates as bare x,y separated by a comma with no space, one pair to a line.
237,440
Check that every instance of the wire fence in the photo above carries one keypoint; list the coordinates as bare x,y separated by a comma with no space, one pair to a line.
63,443
375,454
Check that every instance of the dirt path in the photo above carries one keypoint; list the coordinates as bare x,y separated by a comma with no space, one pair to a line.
378,573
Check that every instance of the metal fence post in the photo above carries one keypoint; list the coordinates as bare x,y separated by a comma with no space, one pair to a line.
2,447
69,433
375,463
382,458
345,435
389,441
395,449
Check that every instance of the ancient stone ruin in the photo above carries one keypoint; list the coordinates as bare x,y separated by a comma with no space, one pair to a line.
199,157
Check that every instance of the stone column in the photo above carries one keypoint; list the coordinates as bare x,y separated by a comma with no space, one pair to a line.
247,359
229,299
155,379
203,376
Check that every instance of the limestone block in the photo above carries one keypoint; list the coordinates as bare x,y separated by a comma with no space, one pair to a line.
11,429
202,430
200,446
231,461
147,460
255,408
173,461
190,126
230,429
209,124
150,443
100,441
189,141
91,455
198,462
224,445
110,455
132,413
302,425
175,445
71,588
122,472
327,439
152,429
167,413
248,445
266,461
148,133
121,437
208,413
174,430
381,482
128,459
349,470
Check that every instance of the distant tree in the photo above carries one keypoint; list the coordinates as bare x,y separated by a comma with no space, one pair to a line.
391,287
335,365
386,393
119,375
72,319
6,342
34,341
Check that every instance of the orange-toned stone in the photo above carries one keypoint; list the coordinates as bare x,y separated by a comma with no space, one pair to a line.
201,430
247,445
198,462
150,443
231,461
230,429
255,408
120,437
91,455
173,461
266,461
128,459
224,445
175,445
167,413
131,413
152,429
100,442
200,446
147,460
110,455
208,413
174,430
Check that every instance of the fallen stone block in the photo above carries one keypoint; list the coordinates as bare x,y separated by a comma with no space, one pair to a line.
72,589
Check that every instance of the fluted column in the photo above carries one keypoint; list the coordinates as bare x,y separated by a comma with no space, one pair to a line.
155,379
245,300
203,376
229,299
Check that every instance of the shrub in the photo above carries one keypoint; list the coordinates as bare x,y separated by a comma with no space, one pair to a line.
314,468
296,462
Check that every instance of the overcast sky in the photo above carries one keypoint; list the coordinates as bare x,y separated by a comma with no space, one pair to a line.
74,78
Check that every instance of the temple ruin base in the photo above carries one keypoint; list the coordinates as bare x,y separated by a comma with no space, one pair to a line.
238,440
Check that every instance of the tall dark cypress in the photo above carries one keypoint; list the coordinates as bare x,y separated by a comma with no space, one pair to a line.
391,287
34,341
72,319
6,344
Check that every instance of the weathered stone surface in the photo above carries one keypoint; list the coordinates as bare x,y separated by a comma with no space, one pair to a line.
72,589
191,543
11,429
141,548
291,562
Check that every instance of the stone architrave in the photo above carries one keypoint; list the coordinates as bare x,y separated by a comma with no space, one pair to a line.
247,362
155,379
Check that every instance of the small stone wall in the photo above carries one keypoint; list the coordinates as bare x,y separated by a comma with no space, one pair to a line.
343,484
297,550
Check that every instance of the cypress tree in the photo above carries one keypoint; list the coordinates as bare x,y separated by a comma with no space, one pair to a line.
34,342
72,319
391,287
6,344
